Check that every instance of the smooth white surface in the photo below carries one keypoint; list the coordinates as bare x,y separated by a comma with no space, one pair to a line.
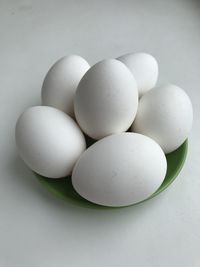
120,170
36,229
165,114
144,68
61,81
49,141
106,99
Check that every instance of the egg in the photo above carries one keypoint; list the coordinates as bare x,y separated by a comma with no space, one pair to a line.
165,114
144,68
61,81
120,170
106,99
49,141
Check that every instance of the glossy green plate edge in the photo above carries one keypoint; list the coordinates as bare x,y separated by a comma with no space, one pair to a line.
63,188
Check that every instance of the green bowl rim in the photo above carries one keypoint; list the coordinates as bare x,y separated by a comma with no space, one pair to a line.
85,203
179,168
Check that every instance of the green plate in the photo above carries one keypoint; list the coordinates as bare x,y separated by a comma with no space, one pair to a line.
63,187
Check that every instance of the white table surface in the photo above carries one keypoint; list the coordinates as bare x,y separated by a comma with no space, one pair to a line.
36,229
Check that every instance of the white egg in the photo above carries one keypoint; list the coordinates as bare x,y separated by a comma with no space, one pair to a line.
49,141
165,114
144,68
106,99
61,81
120,170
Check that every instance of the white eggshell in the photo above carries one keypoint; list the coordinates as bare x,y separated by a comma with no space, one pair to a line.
61,81
144,68
49,141
106,99
120,170
165,114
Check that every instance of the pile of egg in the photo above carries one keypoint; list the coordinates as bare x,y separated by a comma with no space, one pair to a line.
104,102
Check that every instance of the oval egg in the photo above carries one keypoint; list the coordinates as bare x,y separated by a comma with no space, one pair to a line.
165,114
61,81
144,68
49,141
106,99
120,170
